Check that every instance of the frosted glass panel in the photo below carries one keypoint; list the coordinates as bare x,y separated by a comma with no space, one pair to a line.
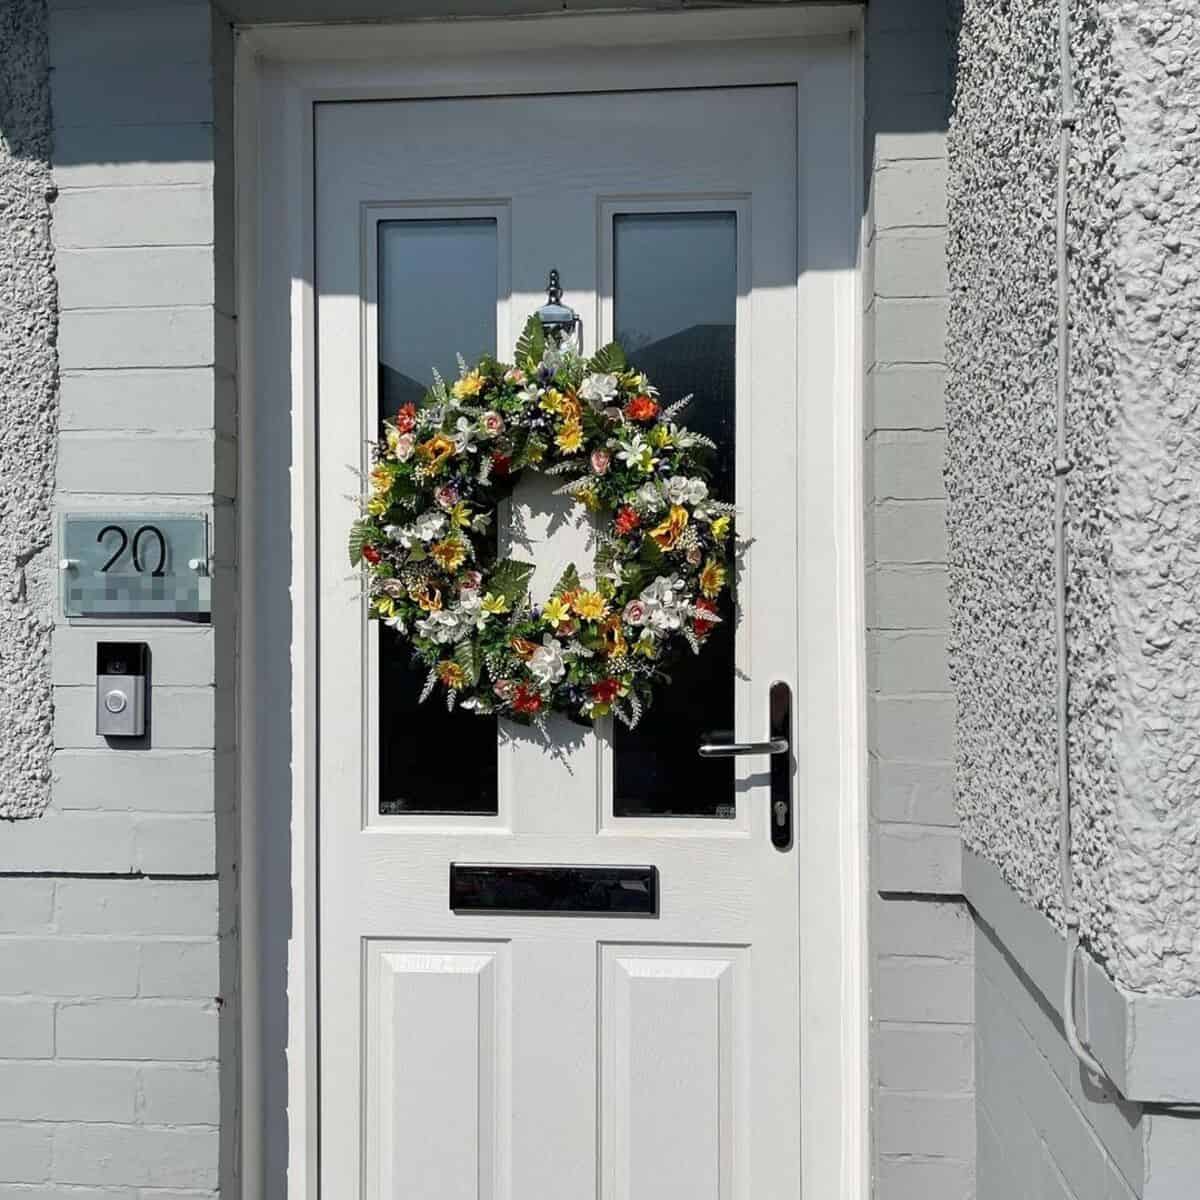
674,311
437,298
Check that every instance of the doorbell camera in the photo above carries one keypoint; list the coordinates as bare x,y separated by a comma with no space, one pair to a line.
121,671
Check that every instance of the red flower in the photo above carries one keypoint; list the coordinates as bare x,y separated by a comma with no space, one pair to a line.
641,408
605,692
406,418
501,463
371,554
701,626
526,700
627,521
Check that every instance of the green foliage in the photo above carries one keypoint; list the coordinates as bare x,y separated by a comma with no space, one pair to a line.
510,579
608,360
361,534
466,656
568,581
531,344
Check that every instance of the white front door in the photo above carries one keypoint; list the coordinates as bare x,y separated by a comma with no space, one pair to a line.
556,1055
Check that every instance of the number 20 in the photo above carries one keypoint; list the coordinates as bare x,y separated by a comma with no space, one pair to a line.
143,531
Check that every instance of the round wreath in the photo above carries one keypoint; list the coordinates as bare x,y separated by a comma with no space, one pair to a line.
662,540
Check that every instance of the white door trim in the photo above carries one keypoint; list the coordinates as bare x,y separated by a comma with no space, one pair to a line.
281,73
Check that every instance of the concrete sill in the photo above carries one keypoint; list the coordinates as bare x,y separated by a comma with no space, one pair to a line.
1149,1045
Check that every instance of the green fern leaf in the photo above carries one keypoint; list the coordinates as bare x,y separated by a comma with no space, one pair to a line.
531,344
608,360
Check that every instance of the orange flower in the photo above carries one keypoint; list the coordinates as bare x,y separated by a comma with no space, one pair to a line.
526,700
448,554
427,596
671,530
627,521
436,450
712,579
451,674
523,648
572,410
406,419
614,636
641,408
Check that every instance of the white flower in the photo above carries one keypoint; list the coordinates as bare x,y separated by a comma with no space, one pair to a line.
666,606
682,489
492,423
546,663
427,527
598,389
635,613
637,454
464,437
648,496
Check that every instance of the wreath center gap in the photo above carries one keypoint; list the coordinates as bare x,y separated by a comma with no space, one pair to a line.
601,643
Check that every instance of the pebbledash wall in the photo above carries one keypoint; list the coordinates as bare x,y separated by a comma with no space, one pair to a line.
1046,1127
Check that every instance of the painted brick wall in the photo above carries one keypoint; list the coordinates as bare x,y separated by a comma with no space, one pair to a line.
118,982
922,973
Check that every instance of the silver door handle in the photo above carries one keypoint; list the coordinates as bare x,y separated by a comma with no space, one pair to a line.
737,749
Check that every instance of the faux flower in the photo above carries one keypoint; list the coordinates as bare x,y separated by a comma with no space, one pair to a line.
492,423
406,419
494,604
712,579
556,612
546,663
436,450
694,555
641,408
614,636
377,506
471,384
504,688
668,533
570,437
601,460
701,625
637,454
635,613
448,554
720,528
514,375
684,490
403,449
381,480
523,648
526,700
598,389
464,436
371,554
552,401
385,606
427,596
649,497
446,496
470,581
606,691
626,521
501,463
590,606
451,674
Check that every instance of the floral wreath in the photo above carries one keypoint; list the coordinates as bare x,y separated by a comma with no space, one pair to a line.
661,564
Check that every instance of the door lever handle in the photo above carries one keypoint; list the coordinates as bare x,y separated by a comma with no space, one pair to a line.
738,749
779,749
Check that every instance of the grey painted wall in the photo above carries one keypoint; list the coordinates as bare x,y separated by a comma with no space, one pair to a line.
1133,440
28,410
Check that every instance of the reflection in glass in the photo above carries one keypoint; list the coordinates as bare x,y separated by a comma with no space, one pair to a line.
674,311
437,299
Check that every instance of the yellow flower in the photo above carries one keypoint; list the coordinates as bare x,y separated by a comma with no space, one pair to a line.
494,604
590,606
712,579
469,385
668,533
614,636
647,646
570,437
385,606
460,515
552,401
720,528
661,437
427,596
451,674
557,612
448,553
381,479
436,450
377,506
588,499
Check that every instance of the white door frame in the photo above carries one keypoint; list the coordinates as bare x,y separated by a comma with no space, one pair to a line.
281,73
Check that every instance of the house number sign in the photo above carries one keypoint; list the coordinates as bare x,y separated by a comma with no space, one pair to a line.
136,565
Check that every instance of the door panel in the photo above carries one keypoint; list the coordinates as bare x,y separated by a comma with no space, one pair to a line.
530,1055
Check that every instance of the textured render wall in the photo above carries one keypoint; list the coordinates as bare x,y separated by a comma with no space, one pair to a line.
1134,439
118,937
921,936
1000,401
1155,940
28,410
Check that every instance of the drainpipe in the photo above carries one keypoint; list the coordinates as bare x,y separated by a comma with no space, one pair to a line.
1062,468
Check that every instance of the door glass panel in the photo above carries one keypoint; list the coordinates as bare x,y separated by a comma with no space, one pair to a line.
674,311
437,299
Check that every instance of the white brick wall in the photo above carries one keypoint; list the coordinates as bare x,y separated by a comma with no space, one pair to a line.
118,1004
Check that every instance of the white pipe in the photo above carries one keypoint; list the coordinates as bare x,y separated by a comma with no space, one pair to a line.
1062,468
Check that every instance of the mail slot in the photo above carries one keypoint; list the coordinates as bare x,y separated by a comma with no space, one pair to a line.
566,890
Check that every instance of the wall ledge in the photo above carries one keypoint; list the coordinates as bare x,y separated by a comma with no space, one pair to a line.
1149,1045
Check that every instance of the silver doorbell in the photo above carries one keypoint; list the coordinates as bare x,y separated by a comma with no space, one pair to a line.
121,670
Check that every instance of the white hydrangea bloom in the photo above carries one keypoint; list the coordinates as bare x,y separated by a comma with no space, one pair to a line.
546,663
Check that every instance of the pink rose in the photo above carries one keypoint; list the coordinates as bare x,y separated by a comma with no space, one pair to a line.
504,688
600,461
446,495
471,582
514,375
635,613
492,423
404,447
